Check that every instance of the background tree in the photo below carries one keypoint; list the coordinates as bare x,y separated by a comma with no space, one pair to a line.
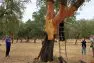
11,14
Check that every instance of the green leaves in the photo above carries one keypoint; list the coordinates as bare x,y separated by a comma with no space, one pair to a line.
83,28
11,12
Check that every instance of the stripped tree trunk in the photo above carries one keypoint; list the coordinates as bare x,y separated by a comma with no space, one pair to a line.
52,21
48,44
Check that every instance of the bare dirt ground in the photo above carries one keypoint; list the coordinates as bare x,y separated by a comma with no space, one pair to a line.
26,52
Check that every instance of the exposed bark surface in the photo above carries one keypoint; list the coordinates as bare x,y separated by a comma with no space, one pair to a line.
49,28
52,21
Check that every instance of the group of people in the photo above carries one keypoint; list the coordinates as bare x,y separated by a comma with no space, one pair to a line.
91,45
8,45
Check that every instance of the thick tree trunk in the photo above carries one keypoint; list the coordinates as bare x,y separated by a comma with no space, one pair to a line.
46,53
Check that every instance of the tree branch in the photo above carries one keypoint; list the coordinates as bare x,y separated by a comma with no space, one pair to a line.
74,7
50,15
50,9
61,13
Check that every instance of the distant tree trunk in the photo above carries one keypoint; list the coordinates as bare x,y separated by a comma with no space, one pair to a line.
76,42
21,40
3,38
12,40
27,39
77,38
17,40
35,40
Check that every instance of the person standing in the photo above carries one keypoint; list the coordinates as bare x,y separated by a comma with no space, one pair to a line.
8,45
83,47
92,44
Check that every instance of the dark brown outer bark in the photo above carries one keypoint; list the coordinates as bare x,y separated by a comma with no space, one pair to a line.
46,53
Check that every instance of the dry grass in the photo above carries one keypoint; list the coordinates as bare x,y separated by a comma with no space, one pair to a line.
26,52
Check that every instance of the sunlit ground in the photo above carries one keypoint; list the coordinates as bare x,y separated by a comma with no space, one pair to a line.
26,52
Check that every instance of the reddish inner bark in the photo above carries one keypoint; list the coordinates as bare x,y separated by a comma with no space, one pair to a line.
63,12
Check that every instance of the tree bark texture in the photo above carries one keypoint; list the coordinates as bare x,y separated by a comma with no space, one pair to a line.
46,53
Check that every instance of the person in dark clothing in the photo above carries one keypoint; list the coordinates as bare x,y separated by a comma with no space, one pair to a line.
83,47
8,45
